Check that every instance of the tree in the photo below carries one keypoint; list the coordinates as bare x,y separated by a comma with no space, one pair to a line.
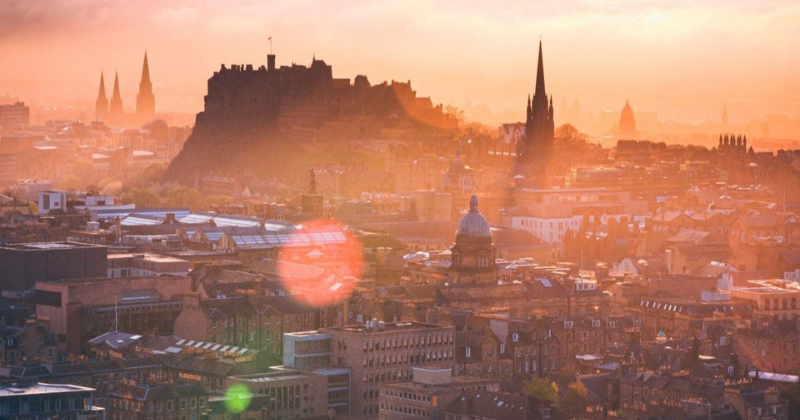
575,400
150,175
84,170
185,197
70,183
541,389
567,137
141,198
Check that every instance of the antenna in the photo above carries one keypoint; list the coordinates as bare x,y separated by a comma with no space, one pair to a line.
116,317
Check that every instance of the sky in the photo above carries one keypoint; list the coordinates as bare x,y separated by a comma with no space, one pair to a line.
682,59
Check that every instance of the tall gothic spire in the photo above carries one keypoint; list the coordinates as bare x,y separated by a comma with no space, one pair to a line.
540,74
145,70
102,93
145,100
116,101
101,104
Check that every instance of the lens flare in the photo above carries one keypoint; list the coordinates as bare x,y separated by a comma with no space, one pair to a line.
237,398
322,264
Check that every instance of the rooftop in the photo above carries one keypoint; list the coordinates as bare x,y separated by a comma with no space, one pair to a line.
389,327
39,388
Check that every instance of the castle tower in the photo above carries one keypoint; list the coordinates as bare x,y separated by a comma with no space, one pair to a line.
627,123
115,110
539,126
473,255
101,104
145,100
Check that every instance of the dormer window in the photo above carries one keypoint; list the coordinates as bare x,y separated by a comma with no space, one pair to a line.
568,324
515,337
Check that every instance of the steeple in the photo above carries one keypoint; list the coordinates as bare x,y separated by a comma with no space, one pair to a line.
539,74
145,101
101,104
145,70
115,111
539,127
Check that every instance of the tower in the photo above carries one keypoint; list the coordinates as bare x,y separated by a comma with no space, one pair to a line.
473,255
145,100
311,201
627,123
115,110
101,104
539,125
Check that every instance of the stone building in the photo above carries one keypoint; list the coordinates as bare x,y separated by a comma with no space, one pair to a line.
161,401
473,254
381,353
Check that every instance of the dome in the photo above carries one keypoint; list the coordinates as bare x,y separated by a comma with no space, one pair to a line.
473,224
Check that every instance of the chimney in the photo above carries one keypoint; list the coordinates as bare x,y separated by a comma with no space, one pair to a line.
170,219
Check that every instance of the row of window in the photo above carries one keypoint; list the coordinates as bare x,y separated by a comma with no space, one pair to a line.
407,358
404,343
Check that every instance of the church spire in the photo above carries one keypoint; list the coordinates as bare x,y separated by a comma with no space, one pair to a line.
145,70
145,100
540,74
115,111
116,95
101,104
102,94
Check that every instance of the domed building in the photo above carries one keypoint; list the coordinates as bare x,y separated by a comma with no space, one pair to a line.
627,123
473,254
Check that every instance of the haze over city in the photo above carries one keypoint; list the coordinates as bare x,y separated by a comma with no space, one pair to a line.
683,60
399,210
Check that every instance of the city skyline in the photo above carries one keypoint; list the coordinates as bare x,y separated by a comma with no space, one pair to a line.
478,59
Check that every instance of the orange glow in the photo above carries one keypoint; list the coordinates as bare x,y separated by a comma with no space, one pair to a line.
681,59
321,276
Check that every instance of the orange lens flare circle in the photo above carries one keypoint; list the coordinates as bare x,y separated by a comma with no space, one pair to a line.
321,265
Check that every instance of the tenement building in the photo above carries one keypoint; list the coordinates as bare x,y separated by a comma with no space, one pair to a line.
380,353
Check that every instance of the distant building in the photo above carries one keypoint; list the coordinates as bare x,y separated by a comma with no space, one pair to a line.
432,206
627,123
52,200
22,265
15,116
44,401
162,401
473,254
386,352
431,391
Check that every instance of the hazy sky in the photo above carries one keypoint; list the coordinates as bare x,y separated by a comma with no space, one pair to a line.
681,58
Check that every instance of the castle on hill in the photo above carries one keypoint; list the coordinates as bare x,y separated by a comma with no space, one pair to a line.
113,113
249,113
301,96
